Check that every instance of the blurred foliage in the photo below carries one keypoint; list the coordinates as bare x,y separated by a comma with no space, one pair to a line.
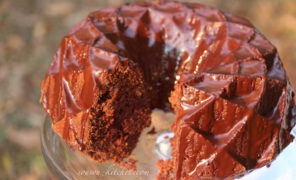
30,32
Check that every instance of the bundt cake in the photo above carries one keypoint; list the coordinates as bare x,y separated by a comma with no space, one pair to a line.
222,78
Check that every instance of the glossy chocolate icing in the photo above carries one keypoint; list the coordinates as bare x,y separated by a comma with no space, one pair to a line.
231,90
231,123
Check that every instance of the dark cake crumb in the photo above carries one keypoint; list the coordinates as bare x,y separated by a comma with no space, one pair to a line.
152,131
116,123
166,170
129,164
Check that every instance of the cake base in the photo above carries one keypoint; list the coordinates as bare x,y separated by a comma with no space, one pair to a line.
65,163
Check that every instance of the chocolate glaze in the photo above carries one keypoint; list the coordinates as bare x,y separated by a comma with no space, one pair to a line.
232,97
229,113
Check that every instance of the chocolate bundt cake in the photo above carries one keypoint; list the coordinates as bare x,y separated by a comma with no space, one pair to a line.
232,98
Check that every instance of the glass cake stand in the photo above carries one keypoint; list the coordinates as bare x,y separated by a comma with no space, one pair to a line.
67,164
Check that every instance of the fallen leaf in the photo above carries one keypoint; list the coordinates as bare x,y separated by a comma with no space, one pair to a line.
59,8
27,139
6,162
15,42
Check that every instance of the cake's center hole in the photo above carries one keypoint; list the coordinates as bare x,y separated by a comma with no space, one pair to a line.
163,145
161,122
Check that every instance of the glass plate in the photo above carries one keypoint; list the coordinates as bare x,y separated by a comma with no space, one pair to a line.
67,164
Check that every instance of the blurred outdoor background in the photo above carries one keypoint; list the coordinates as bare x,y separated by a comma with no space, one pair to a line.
30,31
